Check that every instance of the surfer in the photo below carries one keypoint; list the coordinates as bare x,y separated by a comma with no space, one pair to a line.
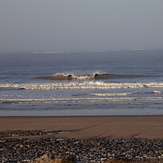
101,76
69,77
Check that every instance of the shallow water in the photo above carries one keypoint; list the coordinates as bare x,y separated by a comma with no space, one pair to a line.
134,86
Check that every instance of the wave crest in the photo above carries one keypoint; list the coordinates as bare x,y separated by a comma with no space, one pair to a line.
81,85
86,76
68,77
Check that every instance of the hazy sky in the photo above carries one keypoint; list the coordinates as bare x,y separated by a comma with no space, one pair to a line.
38,25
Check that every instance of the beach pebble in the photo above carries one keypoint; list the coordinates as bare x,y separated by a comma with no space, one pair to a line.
48,148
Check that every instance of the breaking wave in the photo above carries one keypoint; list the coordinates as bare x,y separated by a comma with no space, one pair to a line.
86,76
81,85
78,100
124,93
111,94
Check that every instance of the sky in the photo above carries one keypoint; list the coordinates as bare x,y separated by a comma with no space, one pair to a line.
75,25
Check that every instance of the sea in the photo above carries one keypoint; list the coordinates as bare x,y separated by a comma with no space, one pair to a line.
81,83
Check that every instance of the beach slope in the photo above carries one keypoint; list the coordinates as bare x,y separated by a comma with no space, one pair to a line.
113,127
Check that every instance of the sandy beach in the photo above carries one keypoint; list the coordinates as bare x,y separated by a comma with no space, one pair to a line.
86,139
90,127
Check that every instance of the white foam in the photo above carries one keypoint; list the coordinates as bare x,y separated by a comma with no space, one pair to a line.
82,85
157,92
111,94
79,100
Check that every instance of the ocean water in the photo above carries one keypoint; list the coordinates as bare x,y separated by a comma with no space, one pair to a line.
127,82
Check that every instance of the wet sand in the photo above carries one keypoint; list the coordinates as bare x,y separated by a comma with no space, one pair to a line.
112,127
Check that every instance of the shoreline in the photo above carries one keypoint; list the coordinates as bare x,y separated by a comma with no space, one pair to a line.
86,139
83,127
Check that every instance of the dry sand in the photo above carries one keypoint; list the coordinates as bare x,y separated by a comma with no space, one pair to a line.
90,127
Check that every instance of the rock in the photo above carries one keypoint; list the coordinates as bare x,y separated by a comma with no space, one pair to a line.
69,159
115,160
46,159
